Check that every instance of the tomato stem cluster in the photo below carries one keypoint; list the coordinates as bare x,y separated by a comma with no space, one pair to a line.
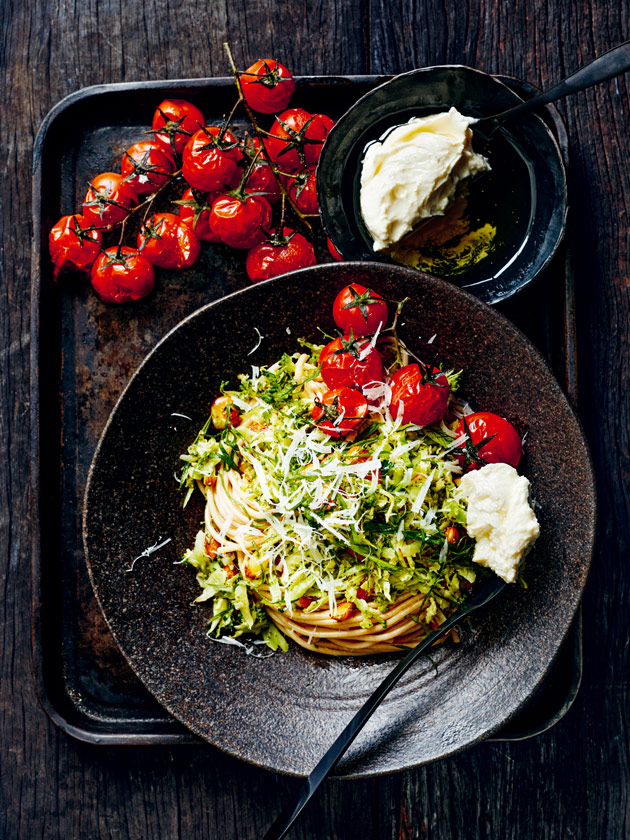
260,132
147,203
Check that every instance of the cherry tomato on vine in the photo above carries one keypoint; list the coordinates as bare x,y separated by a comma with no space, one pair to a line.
121,275
419,395
209,161
303,191
194,210
146,166
267,86
359,309
340,411
286,143
334,253
342,363
72,248
261,178
297,138
108,200
317,131
279,254
490,440
168,242
174,123
240,220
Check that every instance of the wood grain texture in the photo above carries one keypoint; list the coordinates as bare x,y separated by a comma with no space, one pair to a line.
572,782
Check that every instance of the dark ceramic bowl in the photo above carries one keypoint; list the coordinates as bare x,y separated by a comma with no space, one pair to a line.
524,196
284,712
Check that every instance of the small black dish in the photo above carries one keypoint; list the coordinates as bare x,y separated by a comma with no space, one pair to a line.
524,196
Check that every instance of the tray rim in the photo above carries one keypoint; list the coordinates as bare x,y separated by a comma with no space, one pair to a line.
90,731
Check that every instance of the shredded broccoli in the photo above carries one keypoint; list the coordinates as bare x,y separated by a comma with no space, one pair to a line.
343,517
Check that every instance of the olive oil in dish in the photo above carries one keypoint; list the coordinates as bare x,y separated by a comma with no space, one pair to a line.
485,225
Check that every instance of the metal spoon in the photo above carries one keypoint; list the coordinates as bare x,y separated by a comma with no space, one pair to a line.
612,63
488,592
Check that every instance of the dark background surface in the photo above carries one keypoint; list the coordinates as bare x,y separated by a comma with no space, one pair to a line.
572,782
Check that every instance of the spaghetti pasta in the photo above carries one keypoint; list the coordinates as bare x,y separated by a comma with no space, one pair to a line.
337,543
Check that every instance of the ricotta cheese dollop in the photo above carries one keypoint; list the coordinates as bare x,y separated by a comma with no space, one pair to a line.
500,518
413,172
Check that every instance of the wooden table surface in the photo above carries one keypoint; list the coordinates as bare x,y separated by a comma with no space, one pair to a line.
571,782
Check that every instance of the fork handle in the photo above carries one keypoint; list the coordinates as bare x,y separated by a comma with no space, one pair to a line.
327,763
612,63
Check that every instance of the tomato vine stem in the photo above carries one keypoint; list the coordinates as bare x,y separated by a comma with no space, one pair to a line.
148,201
281,176
259,131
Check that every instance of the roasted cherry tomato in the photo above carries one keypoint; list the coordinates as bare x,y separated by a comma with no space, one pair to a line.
72,248
168,242
316,133
240,221
261,178
490,439
297,138
209,161
267,86
452,535
334,253
303,191
219,413
419,395
121,275
194,210
108,200
340,411
342,363
146,166
278,255
174,123
359,309
343,611
286,144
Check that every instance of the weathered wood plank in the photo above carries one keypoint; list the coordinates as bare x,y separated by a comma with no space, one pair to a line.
572,782
53,786
538,788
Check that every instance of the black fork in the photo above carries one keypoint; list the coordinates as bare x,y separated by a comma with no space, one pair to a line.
486,593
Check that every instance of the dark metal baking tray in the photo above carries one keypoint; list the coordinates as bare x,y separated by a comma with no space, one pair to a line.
83,355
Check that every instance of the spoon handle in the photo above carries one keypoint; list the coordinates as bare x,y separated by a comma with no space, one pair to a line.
327,763
612,63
